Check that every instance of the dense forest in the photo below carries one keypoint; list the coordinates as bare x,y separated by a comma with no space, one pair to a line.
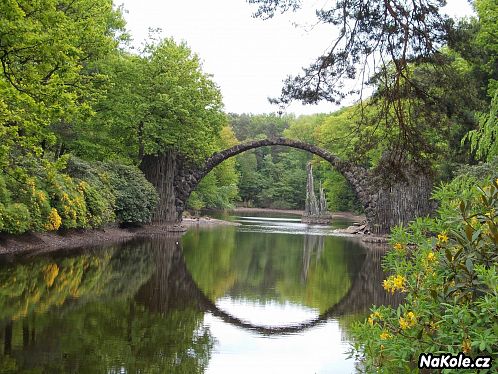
81,113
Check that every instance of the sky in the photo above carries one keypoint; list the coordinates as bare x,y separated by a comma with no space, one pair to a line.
248,58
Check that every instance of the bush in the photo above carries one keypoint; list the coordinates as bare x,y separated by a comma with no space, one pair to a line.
16,218
38,195
98,194
136,198
447,268
68,199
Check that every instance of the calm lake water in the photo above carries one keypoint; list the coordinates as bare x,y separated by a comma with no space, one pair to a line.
270,296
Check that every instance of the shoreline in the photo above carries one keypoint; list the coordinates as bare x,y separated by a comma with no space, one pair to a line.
44,242
342,215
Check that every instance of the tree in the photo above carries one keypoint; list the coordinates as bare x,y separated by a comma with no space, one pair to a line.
160,109
47,49
382,44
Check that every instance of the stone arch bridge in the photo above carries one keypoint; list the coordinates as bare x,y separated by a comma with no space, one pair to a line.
385,205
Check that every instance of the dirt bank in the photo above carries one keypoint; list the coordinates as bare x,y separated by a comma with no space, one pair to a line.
50,241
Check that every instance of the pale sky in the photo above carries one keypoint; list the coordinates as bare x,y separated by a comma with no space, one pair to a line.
248,58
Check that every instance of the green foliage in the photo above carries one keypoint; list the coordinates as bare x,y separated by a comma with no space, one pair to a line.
48,48
446,267
16,218
136,198
98,193
219,189
484,140
155,102
463,186
68,198
43,196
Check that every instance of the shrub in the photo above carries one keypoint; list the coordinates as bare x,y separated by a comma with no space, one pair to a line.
136,198
447,268
68,199
54,220
16,218
94,183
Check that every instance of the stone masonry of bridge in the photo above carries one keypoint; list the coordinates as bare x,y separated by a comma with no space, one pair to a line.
385,204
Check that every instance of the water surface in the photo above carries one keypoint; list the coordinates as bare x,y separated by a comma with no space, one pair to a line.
272,295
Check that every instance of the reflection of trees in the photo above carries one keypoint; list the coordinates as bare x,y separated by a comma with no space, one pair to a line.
365,291
99,327
310,270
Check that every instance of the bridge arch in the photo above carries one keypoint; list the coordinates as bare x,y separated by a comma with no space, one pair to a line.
173,281
385,204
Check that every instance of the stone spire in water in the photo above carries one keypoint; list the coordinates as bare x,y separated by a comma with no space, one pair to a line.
315,210
311,206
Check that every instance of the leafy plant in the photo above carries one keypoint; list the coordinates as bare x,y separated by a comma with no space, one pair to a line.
447,270
136,198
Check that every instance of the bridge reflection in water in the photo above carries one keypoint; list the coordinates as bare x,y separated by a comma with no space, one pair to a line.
145,306
173,284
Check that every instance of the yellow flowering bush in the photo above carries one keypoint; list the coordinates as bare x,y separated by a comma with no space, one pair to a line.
54,220
448,274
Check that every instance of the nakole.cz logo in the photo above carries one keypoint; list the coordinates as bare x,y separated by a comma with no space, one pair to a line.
448,361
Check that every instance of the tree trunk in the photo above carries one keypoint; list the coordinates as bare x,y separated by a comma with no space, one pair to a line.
160,171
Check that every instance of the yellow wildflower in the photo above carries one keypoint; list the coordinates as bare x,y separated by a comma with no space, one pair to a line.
403,323
385,335
54,220
409,320
373,317
394,283
443,237
466,345
398,247
431,256
399,282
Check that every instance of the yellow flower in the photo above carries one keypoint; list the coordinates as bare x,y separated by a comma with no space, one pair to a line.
431,256
409,320
370,321
398,247
443,237
399,282
403,323
394,283
466,345
385,335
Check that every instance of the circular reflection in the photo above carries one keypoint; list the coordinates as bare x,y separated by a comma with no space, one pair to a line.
268,314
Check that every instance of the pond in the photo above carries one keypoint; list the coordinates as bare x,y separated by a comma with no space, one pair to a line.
272,295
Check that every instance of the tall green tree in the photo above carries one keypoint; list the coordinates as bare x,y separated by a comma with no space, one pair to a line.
395,47
47,51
